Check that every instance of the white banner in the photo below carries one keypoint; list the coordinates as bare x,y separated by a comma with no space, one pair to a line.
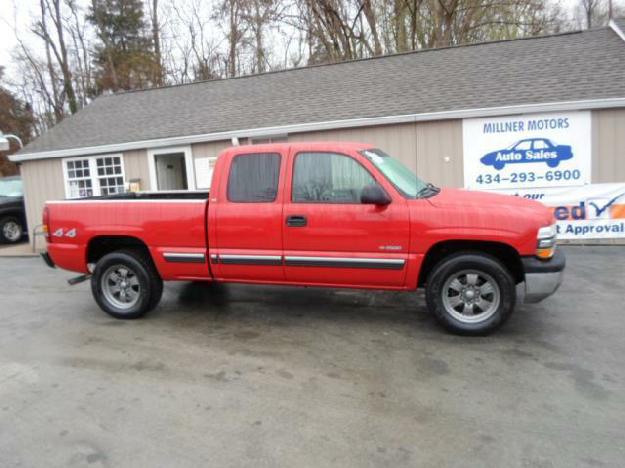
539,150
588,212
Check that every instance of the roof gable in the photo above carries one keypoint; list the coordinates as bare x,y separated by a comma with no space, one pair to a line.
618,25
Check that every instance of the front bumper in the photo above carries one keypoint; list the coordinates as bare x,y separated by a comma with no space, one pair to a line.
542,277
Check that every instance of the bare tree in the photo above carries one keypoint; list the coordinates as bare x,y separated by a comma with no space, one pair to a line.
590,10
52,9
85,52
34,87
231,13
193,54
593,13
77,29
259,15
372,21
41,29
156,43
416,24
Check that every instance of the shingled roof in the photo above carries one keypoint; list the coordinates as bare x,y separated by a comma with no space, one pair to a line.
588,65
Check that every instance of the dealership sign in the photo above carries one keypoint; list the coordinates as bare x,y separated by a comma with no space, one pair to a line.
539,150
587,212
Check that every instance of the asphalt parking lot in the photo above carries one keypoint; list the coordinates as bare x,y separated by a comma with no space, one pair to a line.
265,376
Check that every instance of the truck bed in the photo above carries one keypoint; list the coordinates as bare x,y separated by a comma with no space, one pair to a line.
172,225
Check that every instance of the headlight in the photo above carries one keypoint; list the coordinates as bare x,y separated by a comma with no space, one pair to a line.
547,231
546,242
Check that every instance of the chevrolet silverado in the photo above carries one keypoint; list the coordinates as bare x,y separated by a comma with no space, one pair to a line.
338,215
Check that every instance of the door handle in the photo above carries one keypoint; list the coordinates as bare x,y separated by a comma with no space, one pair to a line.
296,221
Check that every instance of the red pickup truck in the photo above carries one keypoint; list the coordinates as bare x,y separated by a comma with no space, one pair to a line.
313,214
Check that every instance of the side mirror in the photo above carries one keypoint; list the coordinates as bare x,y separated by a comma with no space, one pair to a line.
374,195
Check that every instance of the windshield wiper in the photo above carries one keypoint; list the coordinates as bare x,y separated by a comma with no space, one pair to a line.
429,190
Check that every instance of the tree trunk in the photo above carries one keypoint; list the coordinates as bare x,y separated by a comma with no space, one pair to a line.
371,21
68,85
258,33
233,40
156,39
401,44
56,98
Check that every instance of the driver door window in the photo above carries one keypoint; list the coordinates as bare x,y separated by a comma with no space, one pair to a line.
328,178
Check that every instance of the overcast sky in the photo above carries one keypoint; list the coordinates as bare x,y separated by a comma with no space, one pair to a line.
18,15
12,13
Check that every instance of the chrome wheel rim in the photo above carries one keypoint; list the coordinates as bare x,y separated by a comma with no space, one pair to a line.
12,231
120,286
471,296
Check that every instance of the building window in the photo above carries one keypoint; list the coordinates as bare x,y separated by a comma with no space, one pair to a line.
93,176
328,178
254,178
110,175
79,182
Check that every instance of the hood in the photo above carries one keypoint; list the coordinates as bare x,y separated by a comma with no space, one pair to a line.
469,201
467,215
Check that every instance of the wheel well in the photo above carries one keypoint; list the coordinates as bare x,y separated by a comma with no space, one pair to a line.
505,253
99,246
12,214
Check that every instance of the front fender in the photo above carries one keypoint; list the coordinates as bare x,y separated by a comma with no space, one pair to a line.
474,234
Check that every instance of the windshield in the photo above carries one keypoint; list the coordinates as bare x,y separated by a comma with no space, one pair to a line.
10,188
399,175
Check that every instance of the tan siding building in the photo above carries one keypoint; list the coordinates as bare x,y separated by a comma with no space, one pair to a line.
608,146
43,180
433,149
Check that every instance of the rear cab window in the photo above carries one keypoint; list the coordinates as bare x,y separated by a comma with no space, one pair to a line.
254,178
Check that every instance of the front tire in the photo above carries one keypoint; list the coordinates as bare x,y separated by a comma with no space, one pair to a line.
126,285
470,293
11,230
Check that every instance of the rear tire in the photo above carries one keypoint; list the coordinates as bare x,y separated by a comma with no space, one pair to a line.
126,285
11,230
470,293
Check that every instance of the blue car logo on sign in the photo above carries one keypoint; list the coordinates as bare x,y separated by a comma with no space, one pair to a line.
530,150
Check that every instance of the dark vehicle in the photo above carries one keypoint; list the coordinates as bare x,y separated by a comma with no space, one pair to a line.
529,150
12,213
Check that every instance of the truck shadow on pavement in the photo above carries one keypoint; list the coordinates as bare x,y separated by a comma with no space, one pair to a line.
199,303
213,301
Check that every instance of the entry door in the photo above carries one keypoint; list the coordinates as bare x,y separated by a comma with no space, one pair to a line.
171,172
330,237
247,232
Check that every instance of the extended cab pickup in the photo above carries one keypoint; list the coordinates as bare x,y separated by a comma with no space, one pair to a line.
314,214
